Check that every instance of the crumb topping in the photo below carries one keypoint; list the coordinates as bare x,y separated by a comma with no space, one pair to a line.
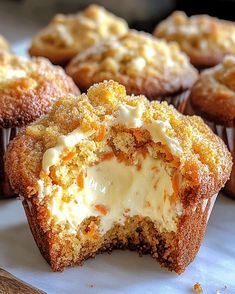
198,32
136,54
222,75
214,92
18,71
79,31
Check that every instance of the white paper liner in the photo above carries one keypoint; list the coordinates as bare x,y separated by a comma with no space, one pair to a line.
212,202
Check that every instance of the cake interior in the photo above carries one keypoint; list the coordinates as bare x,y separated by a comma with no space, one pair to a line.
124,195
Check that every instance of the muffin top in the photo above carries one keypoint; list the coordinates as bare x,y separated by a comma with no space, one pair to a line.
86,123
205,39
142,63
28,88
213,95
67,35
3,43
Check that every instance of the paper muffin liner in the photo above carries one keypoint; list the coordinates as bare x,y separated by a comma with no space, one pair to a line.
6,135
178,101
228,136
211,203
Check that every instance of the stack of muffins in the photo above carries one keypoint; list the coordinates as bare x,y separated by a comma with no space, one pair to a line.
93,46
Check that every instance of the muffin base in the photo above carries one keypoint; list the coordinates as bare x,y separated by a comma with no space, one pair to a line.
228,136
172,250
6,135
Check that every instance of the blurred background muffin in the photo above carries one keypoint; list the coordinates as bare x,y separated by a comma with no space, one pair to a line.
67,35
213,98
3,43
28,88
143,64
206,40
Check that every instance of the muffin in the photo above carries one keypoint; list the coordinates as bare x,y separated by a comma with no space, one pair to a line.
205,39
4,44
28,88
107,170
213,97
67,35
142,63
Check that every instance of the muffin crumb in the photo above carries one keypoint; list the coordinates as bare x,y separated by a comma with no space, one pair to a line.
197,288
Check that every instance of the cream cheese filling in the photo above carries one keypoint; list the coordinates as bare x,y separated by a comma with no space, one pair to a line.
129,116
114,191
52,155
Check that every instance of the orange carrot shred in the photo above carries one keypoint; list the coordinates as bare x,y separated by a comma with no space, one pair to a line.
107,156
80,180
91,230
144,152
101,134
137,134
101,208
121,157
69,156
168,154
175,185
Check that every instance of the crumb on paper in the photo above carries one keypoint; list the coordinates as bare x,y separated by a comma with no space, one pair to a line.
91,286
197,288
225,287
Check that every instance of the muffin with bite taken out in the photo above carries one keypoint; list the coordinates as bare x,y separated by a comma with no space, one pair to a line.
106,170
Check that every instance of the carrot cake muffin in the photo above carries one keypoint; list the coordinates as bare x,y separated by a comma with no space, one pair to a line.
106,170
67,35
27,90
205,39
213,97
3,43
142,63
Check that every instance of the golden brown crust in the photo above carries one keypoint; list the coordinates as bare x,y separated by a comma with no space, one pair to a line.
28,88
227,134
67,35
206,40
213,95
134,61
4,44
191,230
